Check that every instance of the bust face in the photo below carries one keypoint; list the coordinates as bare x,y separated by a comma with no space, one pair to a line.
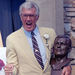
60,46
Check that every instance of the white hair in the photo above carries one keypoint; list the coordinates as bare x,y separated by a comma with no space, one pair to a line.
29,5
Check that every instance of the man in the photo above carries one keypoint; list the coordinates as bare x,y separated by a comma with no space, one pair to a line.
61,48
27,49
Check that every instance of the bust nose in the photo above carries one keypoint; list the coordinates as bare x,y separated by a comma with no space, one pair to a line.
59,45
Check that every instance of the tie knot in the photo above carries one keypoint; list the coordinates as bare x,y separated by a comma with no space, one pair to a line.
32,33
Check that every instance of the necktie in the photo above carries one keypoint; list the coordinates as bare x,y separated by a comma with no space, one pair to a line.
37,51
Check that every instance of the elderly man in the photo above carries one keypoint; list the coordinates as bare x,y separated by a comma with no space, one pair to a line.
28,49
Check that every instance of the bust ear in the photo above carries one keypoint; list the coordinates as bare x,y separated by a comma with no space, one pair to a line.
52,52
69,43
69,49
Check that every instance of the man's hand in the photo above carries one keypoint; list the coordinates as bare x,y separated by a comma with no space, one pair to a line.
66,70
8,69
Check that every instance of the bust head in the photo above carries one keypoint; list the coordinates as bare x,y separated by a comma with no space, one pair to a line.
62,45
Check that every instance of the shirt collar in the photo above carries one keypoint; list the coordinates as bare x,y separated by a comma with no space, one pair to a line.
36,31
29,33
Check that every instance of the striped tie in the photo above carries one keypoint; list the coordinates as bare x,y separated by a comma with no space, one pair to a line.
37,51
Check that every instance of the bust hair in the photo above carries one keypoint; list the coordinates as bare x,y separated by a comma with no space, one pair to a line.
68,40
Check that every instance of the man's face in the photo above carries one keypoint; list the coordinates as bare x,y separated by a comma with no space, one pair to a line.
60,46
29,19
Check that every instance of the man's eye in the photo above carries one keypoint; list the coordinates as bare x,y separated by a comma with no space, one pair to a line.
25,15
31,15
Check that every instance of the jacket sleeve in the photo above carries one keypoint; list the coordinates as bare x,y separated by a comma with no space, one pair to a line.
11,55
52,36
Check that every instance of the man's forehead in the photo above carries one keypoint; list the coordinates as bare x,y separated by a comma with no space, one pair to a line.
24,9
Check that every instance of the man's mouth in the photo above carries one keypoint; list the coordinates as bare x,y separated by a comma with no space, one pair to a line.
28,23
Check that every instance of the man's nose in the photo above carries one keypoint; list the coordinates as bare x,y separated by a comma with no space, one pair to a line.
28,17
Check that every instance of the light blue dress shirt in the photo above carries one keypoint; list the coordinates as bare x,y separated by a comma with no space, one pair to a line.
39,41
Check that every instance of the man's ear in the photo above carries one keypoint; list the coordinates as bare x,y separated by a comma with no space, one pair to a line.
37,17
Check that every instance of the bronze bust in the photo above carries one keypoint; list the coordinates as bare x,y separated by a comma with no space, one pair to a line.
60,50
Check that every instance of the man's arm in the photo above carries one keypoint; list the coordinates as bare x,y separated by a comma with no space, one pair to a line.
8,69
11,57
66,70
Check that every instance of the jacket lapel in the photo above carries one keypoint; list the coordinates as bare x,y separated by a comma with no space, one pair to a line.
46,48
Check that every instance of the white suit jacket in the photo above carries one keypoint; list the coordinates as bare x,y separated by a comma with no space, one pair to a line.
21,55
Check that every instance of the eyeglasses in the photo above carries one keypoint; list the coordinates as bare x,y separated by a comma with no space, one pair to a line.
30,15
